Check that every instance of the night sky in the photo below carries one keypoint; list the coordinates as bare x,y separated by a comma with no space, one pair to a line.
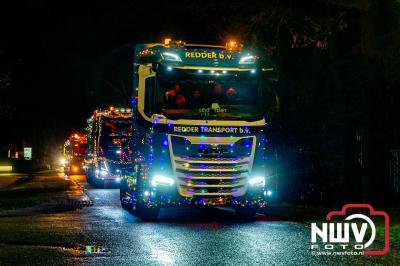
66,58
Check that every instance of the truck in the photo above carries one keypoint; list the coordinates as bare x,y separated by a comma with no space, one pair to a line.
74,150
199,130
109,145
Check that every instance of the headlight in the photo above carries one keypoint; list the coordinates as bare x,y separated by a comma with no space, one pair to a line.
257,181
162,180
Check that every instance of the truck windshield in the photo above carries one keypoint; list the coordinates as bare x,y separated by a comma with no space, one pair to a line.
78,149
115,139
197,94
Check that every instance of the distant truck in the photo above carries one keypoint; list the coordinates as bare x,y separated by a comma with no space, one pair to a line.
200,130
74,152
109,145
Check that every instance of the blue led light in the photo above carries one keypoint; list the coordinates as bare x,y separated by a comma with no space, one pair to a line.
165,142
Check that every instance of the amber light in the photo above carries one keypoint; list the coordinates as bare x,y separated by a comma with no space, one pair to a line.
167,41
232,45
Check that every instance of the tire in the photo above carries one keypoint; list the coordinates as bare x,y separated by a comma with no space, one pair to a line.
94,182
246,213
125,205
147,213
89,176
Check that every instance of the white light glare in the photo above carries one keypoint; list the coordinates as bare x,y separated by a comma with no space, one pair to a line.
169,68
172,57
224,71
253,71
162,180
258,180
250,59
200,70
269,193
103,172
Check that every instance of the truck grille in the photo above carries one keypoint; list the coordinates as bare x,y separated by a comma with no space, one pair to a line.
220,171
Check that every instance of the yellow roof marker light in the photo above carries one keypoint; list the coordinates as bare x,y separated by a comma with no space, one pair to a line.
232,46
167,41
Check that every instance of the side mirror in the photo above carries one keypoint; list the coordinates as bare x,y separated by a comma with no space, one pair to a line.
154,67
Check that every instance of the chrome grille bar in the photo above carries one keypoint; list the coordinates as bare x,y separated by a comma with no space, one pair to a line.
211,175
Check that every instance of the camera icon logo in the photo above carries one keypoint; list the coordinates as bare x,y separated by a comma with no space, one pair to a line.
351,234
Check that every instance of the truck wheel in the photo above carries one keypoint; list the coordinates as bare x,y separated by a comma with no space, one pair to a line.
147,213
90,176
89,179
246,213
125,205
95,182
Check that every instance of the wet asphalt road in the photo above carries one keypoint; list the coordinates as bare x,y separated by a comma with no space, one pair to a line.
180,237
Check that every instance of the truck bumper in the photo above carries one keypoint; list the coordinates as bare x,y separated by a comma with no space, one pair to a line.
171,198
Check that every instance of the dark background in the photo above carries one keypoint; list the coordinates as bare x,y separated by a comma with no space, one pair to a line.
334,111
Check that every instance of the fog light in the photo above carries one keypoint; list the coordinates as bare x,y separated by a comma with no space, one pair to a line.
257,181
162,180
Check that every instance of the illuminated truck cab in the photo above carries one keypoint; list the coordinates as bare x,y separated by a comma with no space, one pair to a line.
109,145
200,130
74,154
